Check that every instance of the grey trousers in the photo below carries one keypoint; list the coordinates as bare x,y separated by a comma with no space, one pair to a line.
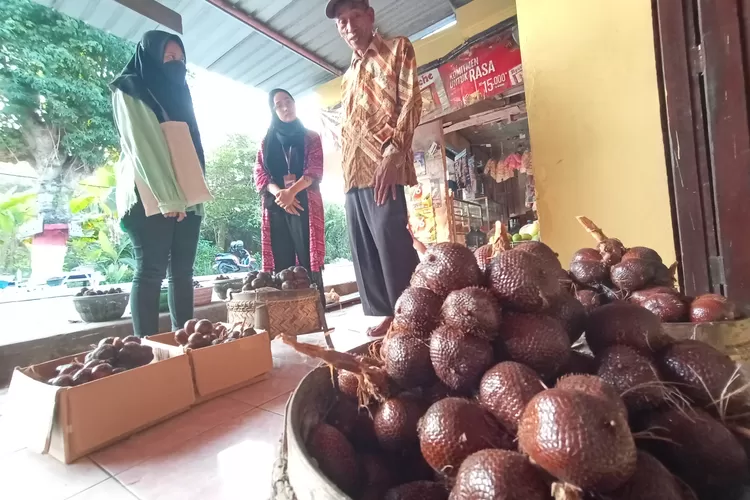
382,249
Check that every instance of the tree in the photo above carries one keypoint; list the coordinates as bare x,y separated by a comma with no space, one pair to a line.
55,107
236,210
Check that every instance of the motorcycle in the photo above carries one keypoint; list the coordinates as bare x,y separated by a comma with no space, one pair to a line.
237,260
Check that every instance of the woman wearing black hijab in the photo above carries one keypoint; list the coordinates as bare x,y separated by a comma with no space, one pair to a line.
288,174
152,90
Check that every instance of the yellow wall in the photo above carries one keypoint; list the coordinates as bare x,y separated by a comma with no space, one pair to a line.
472,19
595,124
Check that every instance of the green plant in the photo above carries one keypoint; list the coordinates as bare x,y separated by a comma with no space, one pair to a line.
118,273
16,209
204,258
113,259
337,236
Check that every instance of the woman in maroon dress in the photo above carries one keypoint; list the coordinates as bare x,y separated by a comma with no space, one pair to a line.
288,175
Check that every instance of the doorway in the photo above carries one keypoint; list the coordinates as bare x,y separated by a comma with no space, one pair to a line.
703,50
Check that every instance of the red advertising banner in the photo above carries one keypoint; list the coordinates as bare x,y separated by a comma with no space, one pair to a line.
482,71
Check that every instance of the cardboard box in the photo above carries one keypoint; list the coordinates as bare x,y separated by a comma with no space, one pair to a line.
221,368
71,422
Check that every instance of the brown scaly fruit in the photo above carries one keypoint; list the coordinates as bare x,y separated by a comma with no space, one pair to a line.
417,312
580,439
417,490
642,253
579,363
521,282
587,267
506,389
499,242
474,311
343,416
698,449
651,481
544,253
669,308
437,391
335,456
348,383
571,313
454,428
589,299
537,341
407,360
633,376
459,359
640,296
632,274
499,475
593,386
707,376
712,307
627,324
446,267
396,422
611,249
376,475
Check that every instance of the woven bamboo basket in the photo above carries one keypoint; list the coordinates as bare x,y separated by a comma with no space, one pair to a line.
202,296
291,312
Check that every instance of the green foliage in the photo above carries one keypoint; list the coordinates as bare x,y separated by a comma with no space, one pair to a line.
113,259
337,237
97,193
16,209
204,258
235,212
54,72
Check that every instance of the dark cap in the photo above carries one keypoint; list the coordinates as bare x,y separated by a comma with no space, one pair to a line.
332,4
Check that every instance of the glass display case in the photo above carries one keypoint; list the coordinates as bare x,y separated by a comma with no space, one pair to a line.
466,214
491,212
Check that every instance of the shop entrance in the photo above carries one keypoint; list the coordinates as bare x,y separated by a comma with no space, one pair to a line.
472,151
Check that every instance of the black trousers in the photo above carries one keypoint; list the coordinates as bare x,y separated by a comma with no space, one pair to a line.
290,239
162,246
290,243
382,248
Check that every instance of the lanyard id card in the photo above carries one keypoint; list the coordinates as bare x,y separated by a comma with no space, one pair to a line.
289,178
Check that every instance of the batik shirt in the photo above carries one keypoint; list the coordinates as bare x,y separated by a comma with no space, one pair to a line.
382,107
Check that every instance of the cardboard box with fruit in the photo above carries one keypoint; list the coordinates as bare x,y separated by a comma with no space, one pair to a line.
74,405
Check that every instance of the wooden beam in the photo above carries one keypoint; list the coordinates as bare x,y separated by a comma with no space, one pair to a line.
156,12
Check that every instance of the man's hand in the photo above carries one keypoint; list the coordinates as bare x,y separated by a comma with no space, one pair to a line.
180,215
385,178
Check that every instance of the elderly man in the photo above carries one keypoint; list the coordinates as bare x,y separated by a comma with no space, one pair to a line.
382,107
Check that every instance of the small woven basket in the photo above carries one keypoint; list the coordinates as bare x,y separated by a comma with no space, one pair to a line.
202,296
292,312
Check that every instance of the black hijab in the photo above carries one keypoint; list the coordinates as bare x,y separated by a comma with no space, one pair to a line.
160,85
284,139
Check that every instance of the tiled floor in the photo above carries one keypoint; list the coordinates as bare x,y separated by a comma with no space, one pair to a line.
222,449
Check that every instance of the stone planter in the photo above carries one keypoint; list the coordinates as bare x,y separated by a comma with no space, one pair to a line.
100,308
